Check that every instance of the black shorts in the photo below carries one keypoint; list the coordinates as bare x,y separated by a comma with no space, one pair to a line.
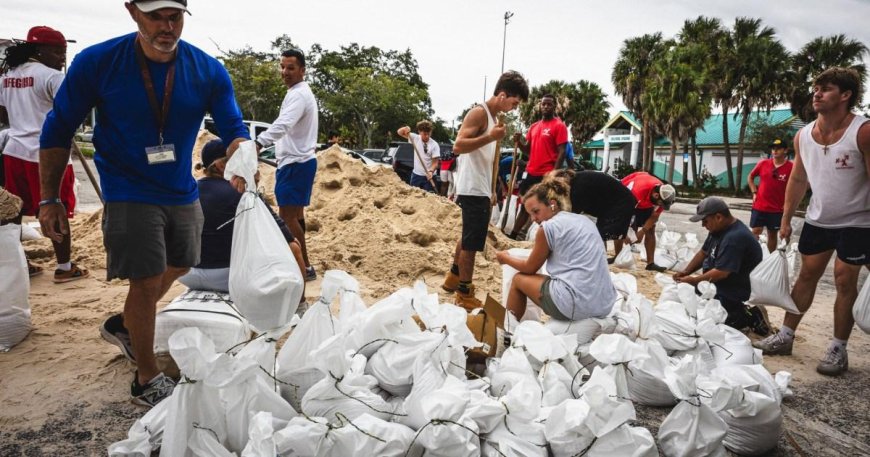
851,243
614,224
528,182
141,240
770,221
475,221
641,216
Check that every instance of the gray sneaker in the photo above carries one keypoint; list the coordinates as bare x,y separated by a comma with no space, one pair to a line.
774,344
834,363
153,392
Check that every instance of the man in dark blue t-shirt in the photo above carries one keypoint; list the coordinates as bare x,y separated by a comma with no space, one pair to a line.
728,255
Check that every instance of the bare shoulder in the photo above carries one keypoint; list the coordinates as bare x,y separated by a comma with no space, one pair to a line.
864,138
474,121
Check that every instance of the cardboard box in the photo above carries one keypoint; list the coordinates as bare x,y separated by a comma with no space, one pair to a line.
487,326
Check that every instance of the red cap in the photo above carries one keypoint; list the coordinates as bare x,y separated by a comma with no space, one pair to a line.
45,35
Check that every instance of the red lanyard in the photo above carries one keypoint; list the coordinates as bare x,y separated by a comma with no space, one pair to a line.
160,113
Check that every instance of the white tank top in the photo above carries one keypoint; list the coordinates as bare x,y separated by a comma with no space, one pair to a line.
838,178
474,169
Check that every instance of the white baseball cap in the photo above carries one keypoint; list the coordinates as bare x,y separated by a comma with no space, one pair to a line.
147,6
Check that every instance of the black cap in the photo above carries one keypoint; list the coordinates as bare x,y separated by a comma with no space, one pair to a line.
709,206
212,151
777,143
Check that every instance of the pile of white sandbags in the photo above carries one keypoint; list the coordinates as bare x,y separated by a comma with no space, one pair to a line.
673,250
391,380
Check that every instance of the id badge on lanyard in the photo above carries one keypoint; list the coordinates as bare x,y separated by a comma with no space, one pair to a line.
161,153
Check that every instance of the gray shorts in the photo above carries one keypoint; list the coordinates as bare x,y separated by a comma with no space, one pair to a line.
141,240
547,302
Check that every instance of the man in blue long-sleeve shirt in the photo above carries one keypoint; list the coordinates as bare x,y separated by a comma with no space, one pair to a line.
151,91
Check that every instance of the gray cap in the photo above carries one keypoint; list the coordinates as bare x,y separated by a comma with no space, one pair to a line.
708,206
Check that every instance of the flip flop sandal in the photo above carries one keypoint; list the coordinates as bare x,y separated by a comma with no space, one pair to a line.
73,274
34,270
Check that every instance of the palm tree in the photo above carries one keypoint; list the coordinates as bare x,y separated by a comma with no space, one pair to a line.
761,75
815,57
631,73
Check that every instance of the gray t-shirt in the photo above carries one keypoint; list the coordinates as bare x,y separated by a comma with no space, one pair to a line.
580,287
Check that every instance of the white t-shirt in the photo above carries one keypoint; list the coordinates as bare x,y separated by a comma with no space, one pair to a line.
429,152
474,169
294,133
27,92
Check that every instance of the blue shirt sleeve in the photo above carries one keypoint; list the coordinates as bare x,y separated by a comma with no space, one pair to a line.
224,109
75,98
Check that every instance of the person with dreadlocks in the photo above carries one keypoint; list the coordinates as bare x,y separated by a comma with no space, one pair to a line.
27,93
578,285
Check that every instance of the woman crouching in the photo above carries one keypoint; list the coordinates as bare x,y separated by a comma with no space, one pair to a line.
579,285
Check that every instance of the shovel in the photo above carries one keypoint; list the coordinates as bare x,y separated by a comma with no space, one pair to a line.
420,158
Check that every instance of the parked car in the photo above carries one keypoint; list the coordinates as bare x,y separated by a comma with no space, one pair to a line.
267,155
375,154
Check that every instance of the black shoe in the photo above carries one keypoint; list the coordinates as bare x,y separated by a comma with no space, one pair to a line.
610,260
757,322
153,392
654,267
113,331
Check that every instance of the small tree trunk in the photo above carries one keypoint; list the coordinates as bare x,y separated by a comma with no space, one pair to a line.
727,146
686,163
694,161
645,145
740,148
672,161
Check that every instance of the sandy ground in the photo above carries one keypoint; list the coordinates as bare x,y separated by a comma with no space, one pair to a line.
64,391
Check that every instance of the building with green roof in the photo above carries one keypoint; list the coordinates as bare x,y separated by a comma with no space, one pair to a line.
622,138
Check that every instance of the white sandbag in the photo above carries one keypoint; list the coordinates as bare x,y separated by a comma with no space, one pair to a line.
625,441
393,364
735,350
676,328
447,432
668,240
510,218
348,395
607,411
793,256
485,411
494,215
509,371
691,241
755,425
388,317
625,259
265,281
368,435
540,343
29,232
645,376
692,430
519,434
15,284
770,283
203,443
556,383
302,437
144,436
566,430
261,442
861,310
212,313
533,312
427,379
585,330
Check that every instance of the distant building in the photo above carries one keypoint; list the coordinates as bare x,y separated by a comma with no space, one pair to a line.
623,136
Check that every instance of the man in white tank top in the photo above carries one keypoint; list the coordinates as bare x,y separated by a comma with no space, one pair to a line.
832,156
476,161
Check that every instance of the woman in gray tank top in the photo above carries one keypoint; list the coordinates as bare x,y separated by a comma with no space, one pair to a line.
578,286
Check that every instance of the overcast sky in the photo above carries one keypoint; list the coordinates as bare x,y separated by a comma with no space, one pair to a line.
456,42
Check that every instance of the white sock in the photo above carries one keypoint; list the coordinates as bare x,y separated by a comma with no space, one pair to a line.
838,344
786,332
64,266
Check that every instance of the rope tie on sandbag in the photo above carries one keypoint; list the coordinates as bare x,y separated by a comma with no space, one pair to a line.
372,342
199,427
588,448
338,389
574,378
185,380
471,373
504,421
730,354
442,422
341,417
256,195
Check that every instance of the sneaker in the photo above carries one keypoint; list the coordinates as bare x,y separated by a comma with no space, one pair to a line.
774,344
653,267
73,274
467,301
757,321
834,363
153,392
310,274
34,270
451,282
113,331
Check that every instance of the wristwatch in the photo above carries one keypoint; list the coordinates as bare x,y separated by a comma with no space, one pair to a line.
50,201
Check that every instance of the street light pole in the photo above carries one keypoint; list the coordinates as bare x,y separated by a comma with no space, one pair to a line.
507,18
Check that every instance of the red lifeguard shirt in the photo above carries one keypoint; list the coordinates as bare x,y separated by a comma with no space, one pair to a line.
771,186
641,185
544,137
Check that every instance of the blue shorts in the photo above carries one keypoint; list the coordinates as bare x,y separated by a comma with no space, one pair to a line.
851,243
770,221
421,182
293,183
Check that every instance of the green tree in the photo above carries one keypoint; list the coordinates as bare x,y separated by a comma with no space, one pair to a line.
257,82
762,134
761,75
630,77
815,57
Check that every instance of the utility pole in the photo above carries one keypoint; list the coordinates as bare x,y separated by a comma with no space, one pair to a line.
484,87
507,18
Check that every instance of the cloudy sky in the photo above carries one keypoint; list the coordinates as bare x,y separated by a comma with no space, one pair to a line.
457,43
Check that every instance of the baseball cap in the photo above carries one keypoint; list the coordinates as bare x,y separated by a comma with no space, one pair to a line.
668,195
708,206
147,6
212,151
42,34
777,143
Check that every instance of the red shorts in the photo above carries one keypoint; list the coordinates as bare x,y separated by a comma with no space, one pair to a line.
22,179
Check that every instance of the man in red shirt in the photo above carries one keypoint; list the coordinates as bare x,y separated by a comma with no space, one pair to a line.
545,146
653,197
768,196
